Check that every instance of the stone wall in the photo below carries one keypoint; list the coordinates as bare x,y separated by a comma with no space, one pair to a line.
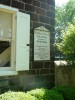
64,74
42,73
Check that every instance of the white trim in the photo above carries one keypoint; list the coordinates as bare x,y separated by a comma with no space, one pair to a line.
7,73
7,8
42,28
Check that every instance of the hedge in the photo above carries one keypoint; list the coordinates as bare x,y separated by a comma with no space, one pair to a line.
45,94
67,92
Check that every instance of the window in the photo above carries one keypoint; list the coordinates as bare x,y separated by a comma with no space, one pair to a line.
14,37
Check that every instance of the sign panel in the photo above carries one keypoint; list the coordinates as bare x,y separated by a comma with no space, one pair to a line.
41,44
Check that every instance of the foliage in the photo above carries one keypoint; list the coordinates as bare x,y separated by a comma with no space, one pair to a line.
67,92
64,15
37,94
44,94
67,45
69,11
64,40
59,23
16,96
57,93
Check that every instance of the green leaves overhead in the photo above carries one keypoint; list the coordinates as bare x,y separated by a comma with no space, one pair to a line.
67,45
65,29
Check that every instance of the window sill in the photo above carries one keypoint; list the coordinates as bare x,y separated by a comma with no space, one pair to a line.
8,73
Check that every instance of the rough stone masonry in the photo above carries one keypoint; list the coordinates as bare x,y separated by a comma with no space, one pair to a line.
42,73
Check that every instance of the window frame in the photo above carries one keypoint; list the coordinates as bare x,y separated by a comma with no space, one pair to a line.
12,69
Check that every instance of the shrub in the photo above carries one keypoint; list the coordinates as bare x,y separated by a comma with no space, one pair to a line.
16,96
67,45
44,94
67,92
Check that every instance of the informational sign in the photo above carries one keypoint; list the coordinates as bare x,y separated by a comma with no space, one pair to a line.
41,44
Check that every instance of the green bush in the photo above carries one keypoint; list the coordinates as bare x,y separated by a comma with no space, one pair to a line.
16,96
44,94
67,92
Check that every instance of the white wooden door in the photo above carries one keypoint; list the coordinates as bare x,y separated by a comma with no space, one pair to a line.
22,39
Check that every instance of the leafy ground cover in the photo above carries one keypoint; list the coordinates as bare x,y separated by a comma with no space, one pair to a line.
37,94
67,92
45,94
56,93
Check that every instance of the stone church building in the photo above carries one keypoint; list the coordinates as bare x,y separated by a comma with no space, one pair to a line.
26,44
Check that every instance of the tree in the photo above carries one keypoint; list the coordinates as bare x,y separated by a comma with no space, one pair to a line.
67,45
69,11
64,15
